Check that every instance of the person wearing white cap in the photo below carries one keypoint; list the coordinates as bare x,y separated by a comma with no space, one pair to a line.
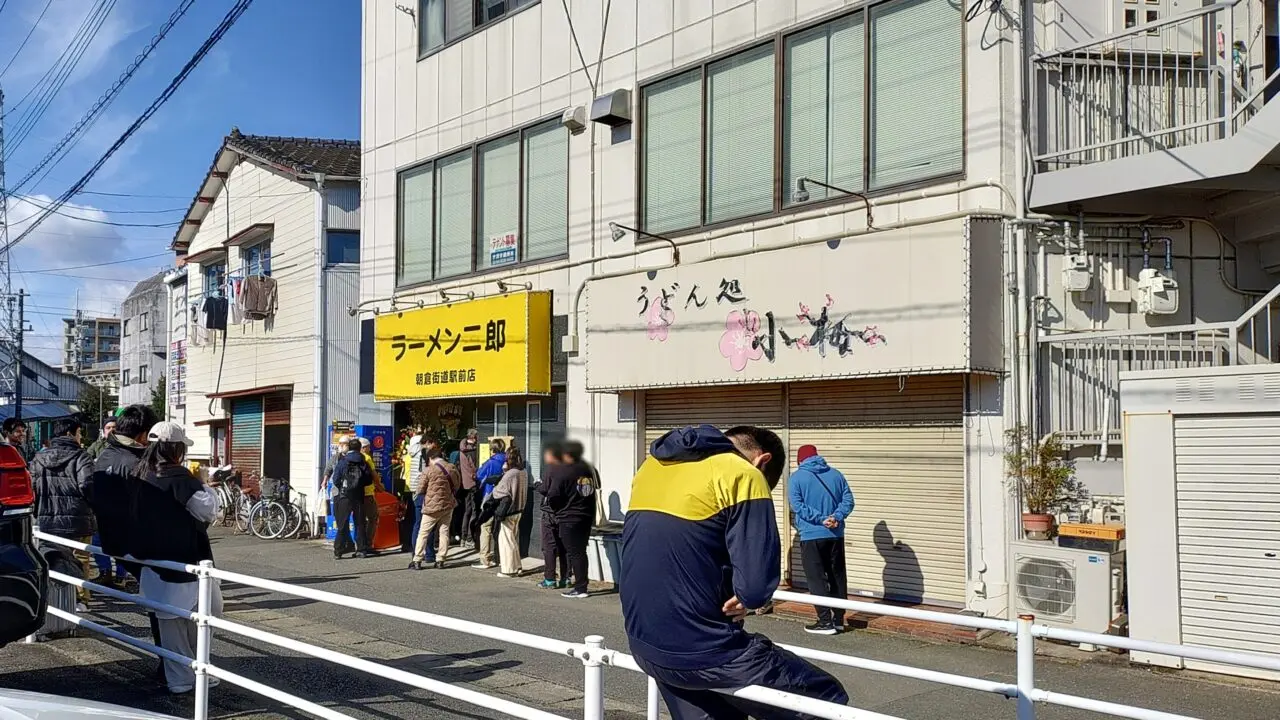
171,513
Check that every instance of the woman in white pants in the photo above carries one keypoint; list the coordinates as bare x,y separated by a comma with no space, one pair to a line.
505,505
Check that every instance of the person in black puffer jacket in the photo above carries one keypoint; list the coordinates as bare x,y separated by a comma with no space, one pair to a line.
63,477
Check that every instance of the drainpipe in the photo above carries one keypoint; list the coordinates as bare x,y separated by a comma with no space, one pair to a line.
320,359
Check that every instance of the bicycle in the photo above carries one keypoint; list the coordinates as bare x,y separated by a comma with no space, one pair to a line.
295,524
270,516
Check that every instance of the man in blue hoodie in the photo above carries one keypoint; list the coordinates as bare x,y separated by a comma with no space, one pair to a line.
821,500
700,549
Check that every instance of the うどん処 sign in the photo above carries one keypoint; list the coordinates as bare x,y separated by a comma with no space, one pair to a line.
921,299
491,346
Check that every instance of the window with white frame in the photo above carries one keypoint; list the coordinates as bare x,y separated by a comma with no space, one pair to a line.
499,202
143,325
126,327
215,278
124,377
871,100
256,259
142,375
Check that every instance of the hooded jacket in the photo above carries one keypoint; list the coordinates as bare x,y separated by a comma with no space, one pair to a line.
115,476
700,530
817,491
63,478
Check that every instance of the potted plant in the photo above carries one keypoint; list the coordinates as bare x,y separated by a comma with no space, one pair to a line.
1042,475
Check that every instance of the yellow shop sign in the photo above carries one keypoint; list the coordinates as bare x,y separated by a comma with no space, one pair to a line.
492,346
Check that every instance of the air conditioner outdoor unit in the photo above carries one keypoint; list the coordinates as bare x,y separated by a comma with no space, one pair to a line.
1066,587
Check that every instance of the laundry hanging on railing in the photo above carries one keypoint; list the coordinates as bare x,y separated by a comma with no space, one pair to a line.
258,297
215,312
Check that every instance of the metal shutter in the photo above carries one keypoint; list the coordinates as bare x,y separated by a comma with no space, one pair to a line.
246,434
1228,500
723,407
276,409
901,447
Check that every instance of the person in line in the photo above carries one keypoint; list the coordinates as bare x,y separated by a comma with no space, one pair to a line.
505,506
820,499
371,513
115,480
699,550
571,499
487,477
468,454
415,463
555,564
171,511
339,541
63,479
14,432
351,475
439,484
95,448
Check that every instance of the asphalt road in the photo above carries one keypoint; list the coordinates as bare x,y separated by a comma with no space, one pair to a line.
93,669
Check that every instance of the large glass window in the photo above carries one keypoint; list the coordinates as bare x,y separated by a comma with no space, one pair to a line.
501,202
453,215
546,192
672,163
872,99
417,219
823,108
740,136
342,247
499,218
917,98
443,21
215,277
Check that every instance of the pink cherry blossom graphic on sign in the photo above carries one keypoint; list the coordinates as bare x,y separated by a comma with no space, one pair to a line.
738,341
658,319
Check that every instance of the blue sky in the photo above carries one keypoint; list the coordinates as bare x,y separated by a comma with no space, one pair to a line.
288,67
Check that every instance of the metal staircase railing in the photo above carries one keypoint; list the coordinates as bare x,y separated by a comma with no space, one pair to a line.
1255,337
1169,83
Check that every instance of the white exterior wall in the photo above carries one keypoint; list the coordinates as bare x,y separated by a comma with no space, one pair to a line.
275,352
525,67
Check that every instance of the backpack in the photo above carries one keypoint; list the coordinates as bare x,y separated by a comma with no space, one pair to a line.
350,476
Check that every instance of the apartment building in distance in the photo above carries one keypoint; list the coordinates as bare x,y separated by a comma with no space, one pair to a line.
91,350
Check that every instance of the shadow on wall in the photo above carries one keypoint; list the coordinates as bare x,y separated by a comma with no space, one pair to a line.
902,576
615,512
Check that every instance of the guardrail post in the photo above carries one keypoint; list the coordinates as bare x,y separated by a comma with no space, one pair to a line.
204,635
1026,668
651,708
593,687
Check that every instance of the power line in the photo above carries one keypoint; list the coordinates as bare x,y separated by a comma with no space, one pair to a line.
64,67
60,211
228,21
91,265
188,197
76,133
30,32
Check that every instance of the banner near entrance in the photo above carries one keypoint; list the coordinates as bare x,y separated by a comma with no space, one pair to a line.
917,300
492,346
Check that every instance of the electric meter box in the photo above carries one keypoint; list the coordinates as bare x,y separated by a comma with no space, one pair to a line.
1157,292
1076,276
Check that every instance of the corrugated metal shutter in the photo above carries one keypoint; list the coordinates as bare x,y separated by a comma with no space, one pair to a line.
723,407
276,409
901,447
1228,500
246,434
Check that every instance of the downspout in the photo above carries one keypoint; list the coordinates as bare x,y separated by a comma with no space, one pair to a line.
1026,356
320,359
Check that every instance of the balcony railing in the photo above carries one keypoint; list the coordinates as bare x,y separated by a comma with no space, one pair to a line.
1175,82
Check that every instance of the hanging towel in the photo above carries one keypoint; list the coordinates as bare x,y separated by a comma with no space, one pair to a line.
258,297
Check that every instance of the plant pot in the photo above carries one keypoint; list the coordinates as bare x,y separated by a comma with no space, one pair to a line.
1038,526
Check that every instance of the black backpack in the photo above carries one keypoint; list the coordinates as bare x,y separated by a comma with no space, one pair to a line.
351,475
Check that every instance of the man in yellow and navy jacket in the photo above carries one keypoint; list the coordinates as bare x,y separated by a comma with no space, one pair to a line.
700,549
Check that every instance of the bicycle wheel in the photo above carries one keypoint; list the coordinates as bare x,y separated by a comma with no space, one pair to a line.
243,507
293,521
267,520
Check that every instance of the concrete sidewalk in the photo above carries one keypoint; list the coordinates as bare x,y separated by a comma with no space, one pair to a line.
543,680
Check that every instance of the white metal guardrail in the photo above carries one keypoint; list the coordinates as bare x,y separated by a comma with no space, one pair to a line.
595,657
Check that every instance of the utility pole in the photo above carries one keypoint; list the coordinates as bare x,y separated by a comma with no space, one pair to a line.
10,326
17,356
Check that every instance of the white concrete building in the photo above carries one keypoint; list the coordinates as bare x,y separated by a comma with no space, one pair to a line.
262,379
495,162
144,338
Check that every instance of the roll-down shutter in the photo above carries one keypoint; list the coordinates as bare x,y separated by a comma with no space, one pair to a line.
901,447
1228,514
276,409
723,407
246,434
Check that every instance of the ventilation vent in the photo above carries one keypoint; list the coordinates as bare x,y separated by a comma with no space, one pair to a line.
1182,391
1271,388
1047,587
1247,389
1205,390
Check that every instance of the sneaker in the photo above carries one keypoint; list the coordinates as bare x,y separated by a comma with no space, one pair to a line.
508,575
821,628
81,607
484,565
575,595
562,584
549,585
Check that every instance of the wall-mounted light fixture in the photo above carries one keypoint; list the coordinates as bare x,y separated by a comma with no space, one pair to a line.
620,231
801,195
